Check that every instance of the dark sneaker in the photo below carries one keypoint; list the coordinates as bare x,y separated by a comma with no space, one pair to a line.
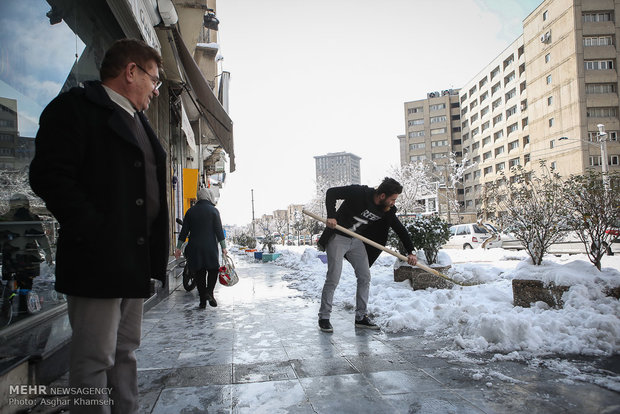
202,305
366,324
325,326
213,302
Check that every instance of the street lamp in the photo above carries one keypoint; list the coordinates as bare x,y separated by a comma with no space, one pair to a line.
602,140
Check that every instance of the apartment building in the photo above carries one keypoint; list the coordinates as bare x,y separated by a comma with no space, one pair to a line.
338,168
548,96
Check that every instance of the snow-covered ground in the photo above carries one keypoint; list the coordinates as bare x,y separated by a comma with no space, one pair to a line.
481,318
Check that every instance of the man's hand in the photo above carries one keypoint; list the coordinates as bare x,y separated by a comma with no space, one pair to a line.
225,252
412,259
331,223
177,253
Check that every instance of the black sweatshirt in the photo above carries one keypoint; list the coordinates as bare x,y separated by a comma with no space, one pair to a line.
360,214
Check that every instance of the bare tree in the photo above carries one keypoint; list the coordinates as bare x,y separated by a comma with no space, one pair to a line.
531,207
280,224
416,182
595,209
12,182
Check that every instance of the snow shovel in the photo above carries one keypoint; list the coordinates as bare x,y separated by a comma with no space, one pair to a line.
380,247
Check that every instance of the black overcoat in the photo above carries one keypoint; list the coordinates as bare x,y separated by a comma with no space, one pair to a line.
203,225
90,171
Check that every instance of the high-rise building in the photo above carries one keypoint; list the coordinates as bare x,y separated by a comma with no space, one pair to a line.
549,95
338,168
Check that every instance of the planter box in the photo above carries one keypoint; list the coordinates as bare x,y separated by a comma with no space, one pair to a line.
421,279
526,292
268,257
258,255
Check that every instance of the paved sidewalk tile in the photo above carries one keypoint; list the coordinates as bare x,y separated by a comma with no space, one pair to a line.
260,351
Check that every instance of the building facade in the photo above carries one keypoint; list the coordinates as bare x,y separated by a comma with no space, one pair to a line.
338,168
548,96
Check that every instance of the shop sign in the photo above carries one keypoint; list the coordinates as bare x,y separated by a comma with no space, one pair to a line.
147,17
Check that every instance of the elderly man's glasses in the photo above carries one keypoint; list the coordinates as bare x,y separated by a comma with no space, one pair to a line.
154,79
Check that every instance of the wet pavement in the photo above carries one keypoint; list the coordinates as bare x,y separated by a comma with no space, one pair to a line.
260,351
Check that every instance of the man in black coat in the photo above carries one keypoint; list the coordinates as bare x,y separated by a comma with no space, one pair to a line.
101,171
203,225
371,213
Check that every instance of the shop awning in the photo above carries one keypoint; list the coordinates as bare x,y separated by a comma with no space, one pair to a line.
208,105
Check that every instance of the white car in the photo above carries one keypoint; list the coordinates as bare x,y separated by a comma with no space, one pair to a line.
501,239
467,236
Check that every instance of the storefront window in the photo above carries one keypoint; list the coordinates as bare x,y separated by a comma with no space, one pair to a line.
47,47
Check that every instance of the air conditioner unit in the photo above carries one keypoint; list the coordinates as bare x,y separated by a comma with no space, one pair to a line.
546,37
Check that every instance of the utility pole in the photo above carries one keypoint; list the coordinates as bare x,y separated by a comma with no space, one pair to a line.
253,229
602,139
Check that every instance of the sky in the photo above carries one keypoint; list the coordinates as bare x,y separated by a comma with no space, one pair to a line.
313,77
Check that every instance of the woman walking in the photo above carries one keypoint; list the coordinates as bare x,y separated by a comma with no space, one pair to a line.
203,225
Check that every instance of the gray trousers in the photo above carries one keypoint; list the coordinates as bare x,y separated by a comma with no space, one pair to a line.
106,333
337,248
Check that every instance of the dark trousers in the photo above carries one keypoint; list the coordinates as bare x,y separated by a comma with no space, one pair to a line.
205,284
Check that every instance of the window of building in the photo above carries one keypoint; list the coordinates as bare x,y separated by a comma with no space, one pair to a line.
511,111
547,57
494,72
465,136
600,88
521,69
508,61
413,134
473,104
598,17
526,158
603,112
438,131
495,88
456,129
614,160
415,110
483,81
473,118
552,144
524,122
437,107
484,111
522,86
599,64
551,121
476,174
550,101
513,128
463,98
439,155
417,146
511,94
513,145
487,155
456,117
476,159
417,157
485,126
554,165
413,122
509,78
476,144
475,132
496,103
513,162
454,105
595,160
456,142
472,90
436,119
597,41
488,170
545,15
548,79
440,143
484,96
486,141
526,140
500,166
499,134
499,150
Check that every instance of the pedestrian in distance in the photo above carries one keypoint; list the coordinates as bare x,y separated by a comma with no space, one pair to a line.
370,213
203,225
101,171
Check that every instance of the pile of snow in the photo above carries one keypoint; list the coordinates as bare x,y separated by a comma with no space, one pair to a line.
482,318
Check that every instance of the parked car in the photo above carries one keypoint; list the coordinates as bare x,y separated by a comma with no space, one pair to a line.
467,236
500,239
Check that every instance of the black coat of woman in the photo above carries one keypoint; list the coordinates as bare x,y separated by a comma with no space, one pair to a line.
203,225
